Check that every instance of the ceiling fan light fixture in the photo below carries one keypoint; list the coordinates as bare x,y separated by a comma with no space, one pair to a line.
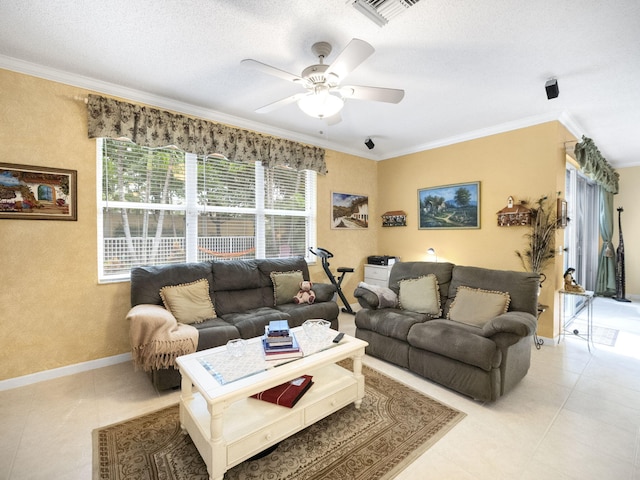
321,104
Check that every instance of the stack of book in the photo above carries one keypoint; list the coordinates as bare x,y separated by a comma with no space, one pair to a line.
280,342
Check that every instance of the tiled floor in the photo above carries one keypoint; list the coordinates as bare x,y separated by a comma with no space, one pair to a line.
576,415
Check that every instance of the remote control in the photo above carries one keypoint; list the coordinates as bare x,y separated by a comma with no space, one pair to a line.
338,338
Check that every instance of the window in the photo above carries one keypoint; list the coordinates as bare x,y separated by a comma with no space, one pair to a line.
161,206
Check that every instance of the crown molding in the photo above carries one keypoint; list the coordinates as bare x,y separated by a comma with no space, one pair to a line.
99,86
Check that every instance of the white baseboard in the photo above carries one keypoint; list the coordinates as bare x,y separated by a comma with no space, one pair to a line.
63,371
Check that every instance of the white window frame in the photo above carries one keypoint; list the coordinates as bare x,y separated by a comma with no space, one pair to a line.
192,209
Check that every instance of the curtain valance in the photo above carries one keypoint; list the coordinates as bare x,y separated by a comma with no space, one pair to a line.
596,166
155,128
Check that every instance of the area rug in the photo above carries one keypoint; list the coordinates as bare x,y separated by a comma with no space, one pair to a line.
394,426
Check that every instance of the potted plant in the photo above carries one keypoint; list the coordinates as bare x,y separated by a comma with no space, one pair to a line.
540,249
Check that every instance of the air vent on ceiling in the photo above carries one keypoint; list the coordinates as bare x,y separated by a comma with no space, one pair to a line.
381,11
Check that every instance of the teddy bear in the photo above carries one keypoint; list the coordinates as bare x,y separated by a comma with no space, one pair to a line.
305,295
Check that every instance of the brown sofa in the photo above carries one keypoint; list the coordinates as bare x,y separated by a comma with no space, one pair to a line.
483,358
242,293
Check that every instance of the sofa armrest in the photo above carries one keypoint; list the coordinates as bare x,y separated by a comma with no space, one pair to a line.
324,291
518,323
366,298
157,339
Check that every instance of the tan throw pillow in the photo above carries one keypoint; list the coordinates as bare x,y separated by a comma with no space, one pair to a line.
189,302
285,286
476,307
421,295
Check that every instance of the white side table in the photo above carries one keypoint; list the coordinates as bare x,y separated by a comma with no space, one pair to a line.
565,322
377,274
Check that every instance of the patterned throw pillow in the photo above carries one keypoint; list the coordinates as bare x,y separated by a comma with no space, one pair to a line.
285,286
476,307
189,302
421,295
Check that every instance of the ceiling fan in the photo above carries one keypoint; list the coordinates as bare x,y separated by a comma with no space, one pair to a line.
324,96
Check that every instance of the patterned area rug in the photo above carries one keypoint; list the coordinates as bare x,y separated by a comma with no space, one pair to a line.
394,426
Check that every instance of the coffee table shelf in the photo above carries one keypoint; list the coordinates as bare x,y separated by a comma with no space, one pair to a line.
228,427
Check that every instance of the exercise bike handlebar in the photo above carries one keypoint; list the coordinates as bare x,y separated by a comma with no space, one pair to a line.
321,252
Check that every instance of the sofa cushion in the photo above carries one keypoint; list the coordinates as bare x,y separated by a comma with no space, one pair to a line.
402,270
285,286
147,281
390,322
457,341
521,286
299,313
420,295
475,306
189,302
251,323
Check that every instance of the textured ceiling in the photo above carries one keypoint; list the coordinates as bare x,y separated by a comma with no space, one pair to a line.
468,68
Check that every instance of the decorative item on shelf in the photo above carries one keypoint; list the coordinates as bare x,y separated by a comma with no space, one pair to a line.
394,218
570,285
540,249
514,215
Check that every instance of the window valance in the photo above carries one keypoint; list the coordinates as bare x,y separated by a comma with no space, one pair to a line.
596,166
155,128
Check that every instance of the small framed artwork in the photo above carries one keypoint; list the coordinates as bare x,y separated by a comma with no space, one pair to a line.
37,193
349,211
449,206
562,213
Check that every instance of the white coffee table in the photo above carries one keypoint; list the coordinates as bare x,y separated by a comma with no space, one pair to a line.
228,427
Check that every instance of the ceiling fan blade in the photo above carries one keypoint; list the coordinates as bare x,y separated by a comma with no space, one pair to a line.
377,94
263,67
281,103
356,52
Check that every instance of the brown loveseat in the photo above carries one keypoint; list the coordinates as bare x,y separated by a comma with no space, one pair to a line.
242,296
459,337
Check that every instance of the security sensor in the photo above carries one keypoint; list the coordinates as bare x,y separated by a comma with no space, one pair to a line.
369,143
552,88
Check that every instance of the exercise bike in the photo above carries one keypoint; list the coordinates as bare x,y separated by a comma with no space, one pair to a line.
325,255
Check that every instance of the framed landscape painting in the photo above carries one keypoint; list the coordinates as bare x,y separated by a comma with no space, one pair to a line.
449,206
37,193
349,211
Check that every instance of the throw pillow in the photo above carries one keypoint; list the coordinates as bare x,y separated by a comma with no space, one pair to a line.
189,302
476,307
285,286
421,295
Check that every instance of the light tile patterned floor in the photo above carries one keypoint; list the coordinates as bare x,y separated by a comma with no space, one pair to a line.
576,415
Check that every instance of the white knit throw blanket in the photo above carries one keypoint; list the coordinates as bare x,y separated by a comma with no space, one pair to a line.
157,339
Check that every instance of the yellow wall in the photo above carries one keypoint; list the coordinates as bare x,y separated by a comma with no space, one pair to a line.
525,164
54,313
629,199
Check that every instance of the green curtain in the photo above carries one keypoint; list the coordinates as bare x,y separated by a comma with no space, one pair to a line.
156,128
606,277
595,166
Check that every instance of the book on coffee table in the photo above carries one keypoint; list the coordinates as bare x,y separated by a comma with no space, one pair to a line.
287,394
282,351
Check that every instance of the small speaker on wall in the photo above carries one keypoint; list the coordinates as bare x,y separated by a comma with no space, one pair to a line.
369,143
552,88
